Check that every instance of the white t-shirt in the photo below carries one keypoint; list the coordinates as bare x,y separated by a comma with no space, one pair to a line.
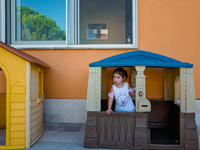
123,100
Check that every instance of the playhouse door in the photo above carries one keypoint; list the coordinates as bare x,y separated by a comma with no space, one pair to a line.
2,108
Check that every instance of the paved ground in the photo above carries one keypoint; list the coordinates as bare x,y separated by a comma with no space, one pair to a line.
64,136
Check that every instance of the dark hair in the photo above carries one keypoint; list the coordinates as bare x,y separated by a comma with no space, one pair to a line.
121,72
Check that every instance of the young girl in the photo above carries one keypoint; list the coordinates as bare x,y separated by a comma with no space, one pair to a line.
122,91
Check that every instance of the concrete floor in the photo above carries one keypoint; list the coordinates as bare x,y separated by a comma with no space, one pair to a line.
61,136
2,136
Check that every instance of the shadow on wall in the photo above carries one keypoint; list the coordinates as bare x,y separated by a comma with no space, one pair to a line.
2,108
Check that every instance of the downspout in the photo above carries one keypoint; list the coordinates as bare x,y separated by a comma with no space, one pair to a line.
28,104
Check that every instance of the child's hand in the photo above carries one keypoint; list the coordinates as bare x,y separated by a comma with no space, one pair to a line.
132,94
109,111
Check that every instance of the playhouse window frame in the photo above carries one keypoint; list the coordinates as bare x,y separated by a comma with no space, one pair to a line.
76,30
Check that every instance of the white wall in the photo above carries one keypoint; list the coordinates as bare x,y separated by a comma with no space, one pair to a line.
197,112
65,110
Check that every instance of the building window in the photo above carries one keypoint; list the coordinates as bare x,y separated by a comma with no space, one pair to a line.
38,22
74,23
103,23
2,20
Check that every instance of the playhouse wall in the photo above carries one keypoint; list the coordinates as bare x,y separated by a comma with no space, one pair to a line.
15,71
36,108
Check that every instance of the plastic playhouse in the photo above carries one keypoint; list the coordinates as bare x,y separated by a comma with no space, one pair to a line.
157,124
21,98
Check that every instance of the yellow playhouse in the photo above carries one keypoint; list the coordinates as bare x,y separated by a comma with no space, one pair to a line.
21,98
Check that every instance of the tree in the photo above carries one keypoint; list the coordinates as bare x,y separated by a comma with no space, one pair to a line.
37,27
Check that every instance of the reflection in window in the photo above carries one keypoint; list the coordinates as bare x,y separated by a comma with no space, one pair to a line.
37,20
97,31
105,22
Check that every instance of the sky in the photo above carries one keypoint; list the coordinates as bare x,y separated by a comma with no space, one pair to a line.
54,9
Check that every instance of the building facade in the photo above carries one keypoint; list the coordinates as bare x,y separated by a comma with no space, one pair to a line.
71,34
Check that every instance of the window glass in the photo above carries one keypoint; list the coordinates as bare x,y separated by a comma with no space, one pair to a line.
105,22
74,23
40,20
0,22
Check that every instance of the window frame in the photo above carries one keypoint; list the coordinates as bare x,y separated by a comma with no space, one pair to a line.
74,4
2,20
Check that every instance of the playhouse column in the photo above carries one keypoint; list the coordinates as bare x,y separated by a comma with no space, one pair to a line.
133,80
94,89
142,104
177,78
187,91
103,83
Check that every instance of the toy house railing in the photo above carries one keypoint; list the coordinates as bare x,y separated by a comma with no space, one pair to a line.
119,130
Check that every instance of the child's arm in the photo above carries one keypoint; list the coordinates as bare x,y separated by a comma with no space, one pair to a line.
131,91
110,101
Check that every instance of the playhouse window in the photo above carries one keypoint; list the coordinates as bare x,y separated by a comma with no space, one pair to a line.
71,23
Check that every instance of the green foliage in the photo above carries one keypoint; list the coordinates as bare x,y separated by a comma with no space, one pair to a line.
37,27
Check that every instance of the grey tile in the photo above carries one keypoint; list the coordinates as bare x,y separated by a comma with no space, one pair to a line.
82,129
2,142
72,146
68,128
59,128
46,146
198,129
2,136
47,135
71,124
72,128
51,123
71,137
49,127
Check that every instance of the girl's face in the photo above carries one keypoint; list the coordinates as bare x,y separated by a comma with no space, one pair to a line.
118,79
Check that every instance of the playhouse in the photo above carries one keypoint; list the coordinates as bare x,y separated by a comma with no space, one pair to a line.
21,98
167,123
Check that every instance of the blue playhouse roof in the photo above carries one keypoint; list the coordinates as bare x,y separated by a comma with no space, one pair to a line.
140,58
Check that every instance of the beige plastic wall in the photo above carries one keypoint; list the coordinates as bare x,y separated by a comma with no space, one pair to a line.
94,89
141,103
36,112
187,91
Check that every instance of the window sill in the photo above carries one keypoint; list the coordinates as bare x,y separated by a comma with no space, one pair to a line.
109,46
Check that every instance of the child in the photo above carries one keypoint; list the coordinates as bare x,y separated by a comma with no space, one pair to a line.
122,91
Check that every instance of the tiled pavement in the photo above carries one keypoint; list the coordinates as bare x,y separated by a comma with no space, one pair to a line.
62,136
2,136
